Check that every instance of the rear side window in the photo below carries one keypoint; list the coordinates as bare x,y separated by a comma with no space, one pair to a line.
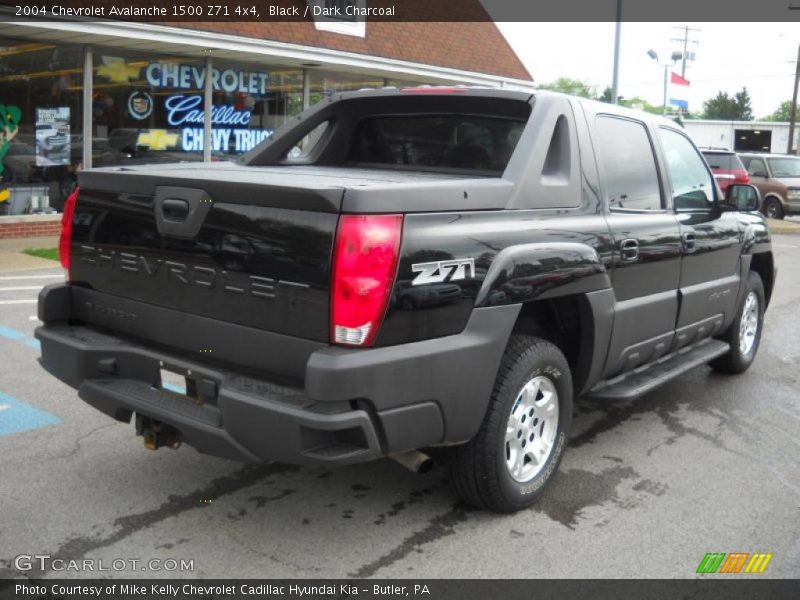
718,161
723,161
437,142
755,167
628,163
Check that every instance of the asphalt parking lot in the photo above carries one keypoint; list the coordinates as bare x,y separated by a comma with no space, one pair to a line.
709,463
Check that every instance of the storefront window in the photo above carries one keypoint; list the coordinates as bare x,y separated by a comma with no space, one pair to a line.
326,82
150,109
40,124
266,109
140,105
146,108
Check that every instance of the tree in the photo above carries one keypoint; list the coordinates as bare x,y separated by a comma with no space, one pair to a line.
573,87
742,100
641,104
783,112
730,108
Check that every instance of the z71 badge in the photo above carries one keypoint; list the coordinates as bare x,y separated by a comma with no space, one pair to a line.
443,270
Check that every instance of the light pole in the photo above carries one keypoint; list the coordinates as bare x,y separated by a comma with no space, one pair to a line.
617,35
675,57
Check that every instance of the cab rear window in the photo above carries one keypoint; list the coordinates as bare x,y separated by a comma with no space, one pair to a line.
436,142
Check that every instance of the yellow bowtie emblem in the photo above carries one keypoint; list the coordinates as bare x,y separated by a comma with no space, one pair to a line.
157,139
117,70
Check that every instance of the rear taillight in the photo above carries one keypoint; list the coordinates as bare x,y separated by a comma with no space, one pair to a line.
66,230
740,176
364,264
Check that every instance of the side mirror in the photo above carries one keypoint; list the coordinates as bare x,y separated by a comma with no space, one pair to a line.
742,197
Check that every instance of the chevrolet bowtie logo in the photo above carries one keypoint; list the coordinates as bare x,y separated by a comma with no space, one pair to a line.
117,70
157,139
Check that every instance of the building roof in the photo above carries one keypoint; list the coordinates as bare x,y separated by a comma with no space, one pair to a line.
476,46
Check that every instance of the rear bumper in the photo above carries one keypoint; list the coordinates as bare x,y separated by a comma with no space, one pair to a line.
353,405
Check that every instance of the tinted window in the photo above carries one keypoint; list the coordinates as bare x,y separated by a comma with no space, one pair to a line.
755,167
726,161
450,142
692,185
628,164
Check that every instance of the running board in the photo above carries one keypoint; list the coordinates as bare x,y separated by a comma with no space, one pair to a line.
648,377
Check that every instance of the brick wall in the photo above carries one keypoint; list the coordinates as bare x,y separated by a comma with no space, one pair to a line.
476,46
30,226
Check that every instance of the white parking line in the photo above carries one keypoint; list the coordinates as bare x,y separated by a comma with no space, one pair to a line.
783,246
10,277
33,301
33,318
21,288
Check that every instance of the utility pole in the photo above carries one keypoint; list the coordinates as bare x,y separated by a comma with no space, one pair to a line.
686,41
792,149
615,76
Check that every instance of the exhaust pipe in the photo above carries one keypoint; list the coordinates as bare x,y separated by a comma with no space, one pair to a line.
414,461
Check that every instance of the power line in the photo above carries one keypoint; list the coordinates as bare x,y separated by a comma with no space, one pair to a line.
686,41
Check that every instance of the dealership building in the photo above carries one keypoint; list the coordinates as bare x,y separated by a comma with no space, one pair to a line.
742,136
79,93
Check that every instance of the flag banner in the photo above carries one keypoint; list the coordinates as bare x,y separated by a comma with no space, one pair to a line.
682,104
677,79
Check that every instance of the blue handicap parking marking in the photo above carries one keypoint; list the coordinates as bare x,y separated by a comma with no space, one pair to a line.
18,336
17,416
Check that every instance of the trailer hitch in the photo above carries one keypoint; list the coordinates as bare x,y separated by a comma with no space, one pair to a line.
157,434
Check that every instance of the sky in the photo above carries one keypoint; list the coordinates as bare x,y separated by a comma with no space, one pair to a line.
760,56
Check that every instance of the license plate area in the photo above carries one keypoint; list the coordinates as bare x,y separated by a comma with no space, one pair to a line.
173,381
199,388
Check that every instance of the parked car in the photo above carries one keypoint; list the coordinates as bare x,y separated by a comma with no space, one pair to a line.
726,167
777,177
266,284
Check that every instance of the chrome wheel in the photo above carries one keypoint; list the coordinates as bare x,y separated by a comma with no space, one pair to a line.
748,326
531,429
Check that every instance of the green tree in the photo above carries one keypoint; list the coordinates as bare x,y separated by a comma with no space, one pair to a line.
641,104
783,112
742,101
573,87
732,108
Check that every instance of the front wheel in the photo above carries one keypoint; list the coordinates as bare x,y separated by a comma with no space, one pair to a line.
744,334
524,432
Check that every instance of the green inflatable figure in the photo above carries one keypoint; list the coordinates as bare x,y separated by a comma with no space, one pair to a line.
10,116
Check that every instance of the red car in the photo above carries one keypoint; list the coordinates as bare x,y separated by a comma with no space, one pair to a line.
727,168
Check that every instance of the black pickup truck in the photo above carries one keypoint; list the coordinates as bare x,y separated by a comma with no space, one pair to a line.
408,271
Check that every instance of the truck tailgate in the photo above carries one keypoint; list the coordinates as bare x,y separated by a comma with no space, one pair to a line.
216,243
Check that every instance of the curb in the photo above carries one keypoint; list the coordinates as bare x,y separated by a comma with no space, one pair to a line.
783,227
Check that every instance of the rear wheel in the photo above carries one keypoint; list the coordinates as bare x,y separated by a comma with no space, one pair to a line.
744,334
773,208
523,434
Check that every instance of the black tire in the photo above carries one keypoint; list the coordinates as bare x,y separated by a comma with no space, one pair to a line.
773,208
735,360
477,470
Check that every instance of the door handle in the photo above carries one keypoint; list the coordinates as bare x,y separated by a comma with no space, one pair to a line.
174,209
629,249
689,242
